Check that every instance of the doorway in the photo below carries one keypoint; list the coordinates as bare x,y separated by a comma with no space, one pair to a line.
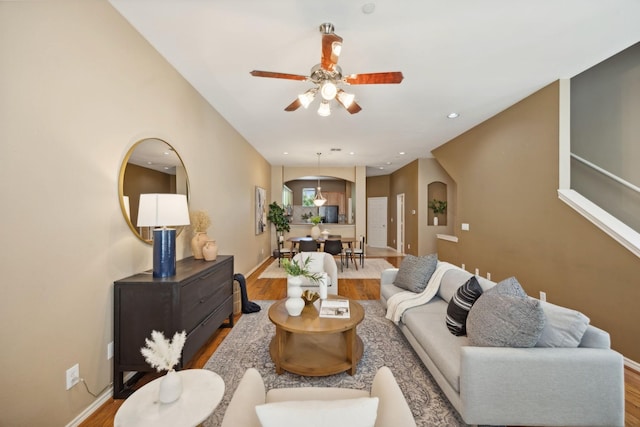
377,222
400,223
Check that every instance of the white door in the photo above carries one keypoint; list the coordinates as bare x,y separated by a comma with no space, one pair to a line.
377,222
400,223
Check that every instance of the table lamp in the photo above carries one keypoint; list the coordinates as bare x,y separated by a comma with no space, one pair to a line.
164,211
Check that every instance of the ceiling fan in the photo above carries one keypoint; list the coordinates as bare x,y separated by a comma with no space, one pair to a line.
327,77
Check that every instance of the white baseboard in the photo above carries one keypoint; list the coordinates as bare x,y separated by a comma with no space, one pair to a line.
89,410
631,364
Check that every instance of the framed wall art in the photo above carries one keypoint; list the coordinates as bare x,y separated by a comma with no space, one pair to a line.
261,210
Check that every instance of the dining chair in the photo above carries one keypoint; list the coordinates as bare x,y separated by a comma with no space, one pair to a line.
309,245
284,252
356,251
334,247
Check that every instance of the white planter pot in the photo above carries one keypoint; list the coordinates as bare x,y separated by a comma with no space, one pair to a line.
170,387
294,302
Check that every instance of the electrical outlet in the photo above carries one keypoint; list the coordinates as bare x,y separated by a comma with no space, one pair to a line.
463,267
73,376
543,296
408,245
488,276
477,272
110,351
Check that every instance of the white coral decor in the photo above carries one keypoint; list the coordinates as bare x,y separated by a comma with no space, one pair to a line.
161,353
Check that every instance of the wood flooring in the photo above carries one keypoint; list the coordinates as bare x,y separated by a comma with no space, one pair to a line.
274,289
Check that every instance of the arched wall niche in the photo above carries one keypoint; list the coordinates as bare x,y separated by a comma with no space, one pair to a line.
437,191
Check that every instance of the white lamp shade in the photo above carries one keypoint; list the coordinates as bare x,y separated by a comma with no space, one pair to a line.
159,210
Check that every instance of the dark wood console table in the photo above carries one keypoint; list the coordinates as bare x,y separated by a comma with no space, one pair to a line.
198,300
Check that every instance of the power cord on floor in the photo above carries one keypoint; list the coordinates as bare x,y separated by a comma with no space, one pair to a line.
90,392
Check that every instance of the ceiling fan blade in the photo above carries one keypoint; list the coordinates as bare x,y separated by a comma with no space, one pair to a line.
258,73
294,105
331,46
374,78
353,108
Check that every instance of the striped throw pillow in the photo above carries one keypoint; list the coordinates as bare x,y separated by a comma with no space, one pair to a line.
460,304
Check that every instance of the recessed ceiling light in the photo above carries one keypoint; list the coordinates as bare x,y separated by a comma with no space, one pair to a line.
368,8
401,153
352,153
285,153
453,115
381,168
388,163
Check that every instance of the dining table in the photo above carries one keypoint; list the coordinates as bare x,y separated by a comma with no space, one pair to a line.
320,240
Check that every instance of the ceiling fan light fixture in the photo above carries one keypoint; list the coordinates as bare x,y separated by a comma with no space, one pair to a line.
307,98
324,109
345,98
336,48
328,90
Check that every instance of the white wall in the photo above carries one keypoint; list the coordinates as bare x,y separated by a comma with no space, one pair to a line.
78,86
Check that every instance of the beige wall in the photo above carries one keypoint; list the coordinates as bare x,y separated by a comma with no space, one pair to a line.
79,86
506,171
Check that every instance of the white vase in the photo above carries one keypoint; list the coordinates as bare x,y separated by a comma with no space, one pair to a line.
315,232
170,387
294,303
435,220
322,285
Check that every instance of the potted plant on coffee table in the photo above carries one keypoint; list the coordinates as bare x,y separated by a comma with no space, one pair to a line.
295,272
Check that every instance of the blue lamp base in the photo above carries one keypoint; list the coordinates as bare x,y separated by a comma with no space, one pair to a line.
164,252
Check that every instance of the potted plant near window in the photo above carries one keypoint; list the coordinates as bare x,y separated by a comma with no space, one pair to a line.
438,207
277,217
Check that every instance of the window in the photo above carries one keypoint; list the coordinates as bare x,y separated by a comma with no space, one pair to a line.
307,196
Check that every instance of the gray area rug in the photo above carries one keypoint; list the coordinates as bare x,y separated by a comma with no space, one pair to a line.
247,345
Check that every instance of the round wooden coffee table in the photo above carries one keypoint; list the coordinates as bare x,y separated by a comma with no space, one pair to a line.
311,345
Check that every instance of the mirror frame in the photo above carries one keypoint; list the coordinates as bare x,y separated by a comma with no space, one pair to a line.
123,167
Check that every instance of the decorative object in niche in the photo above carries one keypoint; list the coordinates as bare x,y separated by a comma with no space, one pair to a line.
438,207
150,166
200,222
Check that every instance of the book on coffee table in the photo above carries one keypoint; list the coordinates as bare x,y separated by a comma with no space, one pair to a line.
335,308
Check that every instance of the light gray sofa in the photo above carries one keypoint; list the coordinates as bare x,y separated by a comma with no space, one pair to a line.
392,410
581,386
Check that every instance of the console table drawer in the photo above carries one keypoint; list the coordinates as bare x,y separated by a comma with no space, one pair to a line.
201,334
200,295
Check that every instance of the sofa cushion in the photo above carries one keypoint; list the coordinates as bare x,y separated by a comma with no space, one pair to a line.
414,272
426,325
564,327
451,281
508,286
359,412
460,304
497,320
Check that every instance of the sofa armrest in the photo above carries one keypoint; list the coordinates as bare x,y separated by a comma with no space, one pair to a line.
393,410
249,393
388,276
542,386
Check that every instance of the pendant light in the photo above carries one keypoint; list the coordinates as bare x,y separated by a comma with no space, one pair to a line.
319,200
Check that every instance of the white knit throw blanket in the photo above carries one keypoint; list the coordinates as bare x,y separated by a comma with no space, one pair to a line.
401,301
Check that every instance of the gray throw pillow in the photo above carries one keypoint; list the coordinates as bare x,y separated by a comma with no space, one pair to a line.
505,321
508,286
459,306
564,327
414,272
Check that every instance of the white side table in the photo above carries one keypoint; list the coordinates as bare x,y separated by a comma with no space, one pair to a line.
202,391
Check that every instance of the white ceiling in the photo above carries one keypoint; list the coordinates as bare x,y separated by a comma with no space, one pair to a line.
474,57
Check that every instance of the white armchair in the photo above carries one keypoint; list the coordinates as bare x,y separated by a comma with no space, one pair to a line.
392,409
320,263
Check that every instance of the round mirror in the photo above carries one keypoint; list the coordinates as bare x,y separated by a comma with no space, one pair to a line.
150,166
